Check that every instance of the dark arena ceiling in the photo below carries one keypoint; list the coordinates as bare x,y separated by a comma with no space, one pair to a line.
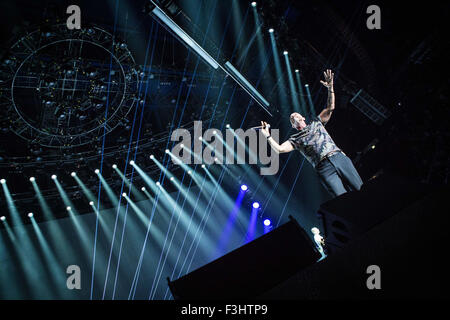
112,91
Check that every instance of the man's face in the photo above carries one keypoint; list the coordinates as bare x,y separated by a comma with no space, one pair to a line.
297,121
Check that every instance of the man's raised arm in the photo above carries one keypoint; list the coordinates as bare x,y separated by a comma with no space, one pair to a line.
328,83
283,148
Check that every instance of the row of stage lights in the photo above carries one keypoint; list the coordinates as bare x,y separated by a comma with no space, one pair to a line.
244,188
256,206
271,30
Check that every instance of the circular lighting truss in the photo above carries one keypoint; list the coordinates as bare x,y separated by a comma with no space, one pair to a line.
63,88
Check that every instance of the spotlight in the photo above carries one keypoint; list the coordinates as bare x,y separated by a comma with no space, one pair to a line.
216,159
171,178
152,157
373,147
132,162
244,187
97,171
255,205
158,183
271,30
3,218
200,138
214,132
124,194
182,145
189,172
267,222
297,71
203,166
30,215
114,166
143,188
167,151
68,208
2,181
253,4
73,174
91,203
32,179
285,53
227,126
307,85
54,176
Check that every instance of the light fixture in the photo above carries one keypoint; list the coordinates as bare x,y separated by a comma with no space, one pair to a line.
168,22
247,85
271,30
73,174
255,205
114,166
132,162
32,179
54,176
30,215
97,171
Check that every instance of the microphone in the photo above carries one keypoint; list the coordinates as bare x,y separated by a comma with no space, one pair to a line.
260,127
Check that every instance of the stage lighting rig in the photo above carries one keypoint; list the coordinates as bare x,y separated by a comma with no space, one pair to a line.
57,84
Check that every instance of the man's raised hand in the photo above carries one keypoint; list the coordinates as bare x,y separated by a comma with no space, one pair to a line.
328,79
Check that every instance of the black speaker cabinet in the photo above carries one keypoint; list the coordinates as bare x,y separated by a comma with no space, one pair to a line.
251,269
352,214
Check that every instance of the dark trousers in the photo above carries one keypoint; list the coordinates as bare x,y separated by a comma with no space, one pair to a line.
338,175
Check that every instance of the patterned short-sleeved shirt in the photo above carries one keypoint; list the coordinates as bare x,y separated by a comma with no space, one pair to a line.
314,142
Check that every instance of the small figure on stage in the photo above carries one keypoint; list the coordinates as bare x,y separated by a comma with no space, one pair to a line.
336,171
320,241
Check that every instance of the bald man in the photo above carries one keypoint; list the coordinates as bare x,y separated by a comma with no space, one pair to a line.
336,171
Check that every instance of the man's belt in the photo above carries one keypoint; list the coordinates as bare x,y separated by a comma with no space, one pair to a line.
332,153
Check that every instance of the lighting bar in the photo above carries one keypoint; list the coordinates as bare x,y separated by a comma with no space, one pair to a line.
247,85
169,23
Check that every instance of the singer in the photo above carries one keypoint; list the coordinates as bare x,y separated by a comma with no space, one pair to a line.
336,171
